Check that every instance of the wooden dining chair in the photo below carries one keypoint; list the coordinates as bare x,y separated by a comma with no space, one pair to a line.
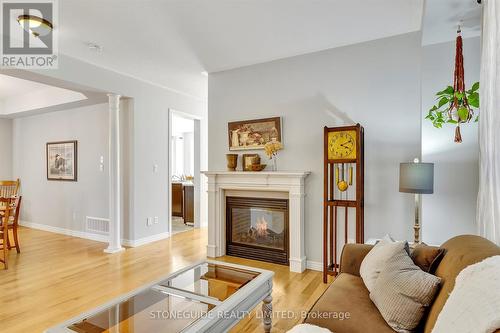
9,188
13,223
4,230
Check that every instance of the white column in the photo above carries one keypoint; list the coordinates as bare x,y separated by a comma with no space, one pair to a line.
114,175
213,247
297,251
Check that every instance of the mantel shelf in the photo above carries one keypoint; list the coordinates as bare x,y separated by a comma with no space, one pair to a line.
301,174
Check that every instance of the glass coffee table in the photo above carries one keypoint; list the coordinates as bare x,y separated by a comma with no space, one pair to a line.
209,296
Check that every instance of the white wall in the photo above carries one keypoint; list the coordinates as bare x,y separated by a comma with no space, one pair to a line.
188,158
6,149
376,84
451,210
57,203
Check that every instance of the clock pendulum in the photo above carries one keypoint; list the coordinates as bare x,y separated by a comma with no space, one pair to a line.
343,151
350,174
342,185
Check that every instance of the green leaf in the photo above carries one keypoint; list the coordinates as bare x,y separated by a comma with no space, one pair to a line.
463,113
477,119
448,91
475,86
474,102
474,95
433,108
443,101
451,121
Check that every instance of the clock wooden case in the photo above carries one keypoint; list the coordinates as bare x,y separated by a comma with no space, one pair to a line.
343,190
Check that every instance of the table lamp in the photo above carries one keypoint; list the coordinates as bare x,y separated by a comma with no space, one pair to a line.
417,178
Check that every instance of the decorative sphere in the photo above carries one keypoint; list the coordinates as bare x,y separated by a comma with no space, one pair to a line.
342,185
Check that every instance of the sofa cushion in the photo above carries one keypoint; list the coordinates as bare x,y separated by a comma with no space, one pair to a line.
403,291
427,257
375,260
345,307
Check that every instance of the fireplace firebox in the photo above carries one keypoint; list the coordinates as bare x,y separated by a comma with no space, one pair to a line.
257,228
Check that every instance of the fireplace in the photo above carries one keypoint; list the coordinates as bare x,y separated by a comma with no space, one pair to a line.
257,228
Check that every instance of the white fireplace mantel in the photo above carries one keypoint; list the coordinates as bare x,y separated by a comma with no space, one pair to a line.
291,182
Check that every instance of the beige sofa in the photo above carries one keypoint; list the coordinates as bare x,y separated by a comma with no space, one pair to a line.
348,294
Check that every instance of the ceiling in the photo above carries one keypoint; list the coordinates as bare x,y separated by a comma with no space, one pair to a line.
12,86
171,42
443,16
20,97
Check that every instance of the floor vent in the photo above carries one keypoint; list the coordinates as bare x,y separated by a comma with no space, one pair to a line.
97,225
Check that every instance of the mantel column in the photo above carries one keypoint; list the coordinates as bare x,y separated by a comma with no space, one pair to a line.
297,255
114,176
213,246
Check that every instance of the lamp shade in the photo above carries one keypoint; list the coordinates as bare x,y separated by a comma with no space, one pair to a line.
416,178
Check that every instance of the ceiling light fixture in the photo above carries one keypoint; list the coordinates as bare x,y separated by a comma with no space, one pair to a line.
35,25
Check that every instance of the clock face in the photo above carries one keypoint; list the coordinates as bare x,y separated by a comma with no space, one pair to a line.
342,145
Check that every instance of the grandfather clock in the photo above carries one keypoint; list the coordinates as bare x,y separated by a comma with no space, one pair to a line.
343,192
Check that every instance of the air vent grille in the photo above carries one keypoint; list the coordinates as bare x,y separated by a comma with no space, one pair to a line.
97,225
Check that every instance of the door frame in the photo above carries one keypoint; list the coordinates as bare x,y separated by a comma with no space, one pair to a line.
197,165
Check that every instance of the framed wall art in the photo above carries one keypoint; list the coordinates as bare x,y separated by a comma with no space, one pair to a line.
62,160
253,134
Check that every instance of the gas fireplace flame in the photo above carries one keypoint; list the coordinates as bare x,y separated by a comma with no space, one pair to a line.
261,227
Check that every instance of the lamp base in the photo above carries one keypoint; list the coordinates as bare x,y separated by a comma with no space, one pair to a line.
416,227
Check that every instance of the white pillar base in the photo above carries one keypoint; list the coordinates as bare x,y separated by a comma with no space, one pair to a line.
114,250
297,265
211,251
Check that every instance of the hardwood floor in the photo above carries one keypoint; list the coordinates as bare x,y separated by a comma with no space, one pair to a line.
57,277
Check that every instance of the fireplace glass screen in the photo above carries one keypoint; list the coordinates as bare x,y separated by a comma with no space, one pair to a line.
258,228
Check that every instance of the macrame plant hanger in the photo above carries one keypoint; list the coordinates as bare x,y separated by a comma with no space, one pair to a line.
459,88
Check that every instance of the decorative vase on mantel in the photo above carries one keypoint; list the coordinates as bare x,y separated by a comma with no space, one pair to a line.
232,161
274,165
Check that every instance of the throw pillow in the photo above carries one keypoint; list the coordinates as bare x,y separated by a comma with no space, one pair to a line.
375,260
403,291
427,257
474,303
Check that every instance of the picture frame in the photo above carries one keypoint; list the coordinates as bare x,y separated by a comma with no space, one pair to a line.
246,161
62,160
253,134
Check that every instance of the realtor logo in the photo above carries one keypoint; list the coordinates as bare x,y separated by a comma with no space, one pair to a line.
29,34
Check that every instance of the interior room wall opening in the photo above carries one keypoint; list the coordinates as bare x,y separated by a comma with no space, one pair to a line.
184,178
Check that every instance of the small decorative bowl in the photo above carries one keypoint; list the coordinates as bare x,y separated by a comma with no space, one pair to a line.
258,167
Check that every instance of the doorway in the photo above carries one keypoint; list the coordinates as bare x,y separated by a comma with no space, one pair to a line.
184,172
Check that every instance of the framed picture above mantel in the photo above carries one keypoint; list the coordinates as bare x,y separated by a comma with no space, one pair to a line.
62,159
253,134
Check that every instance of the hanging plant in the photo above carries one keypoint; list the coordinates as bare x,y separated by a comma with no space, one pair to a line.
455,104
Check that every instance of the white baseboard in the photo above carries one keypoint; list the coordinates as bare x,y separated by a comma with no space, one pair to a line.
314,265
92,236
64,231
145,240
